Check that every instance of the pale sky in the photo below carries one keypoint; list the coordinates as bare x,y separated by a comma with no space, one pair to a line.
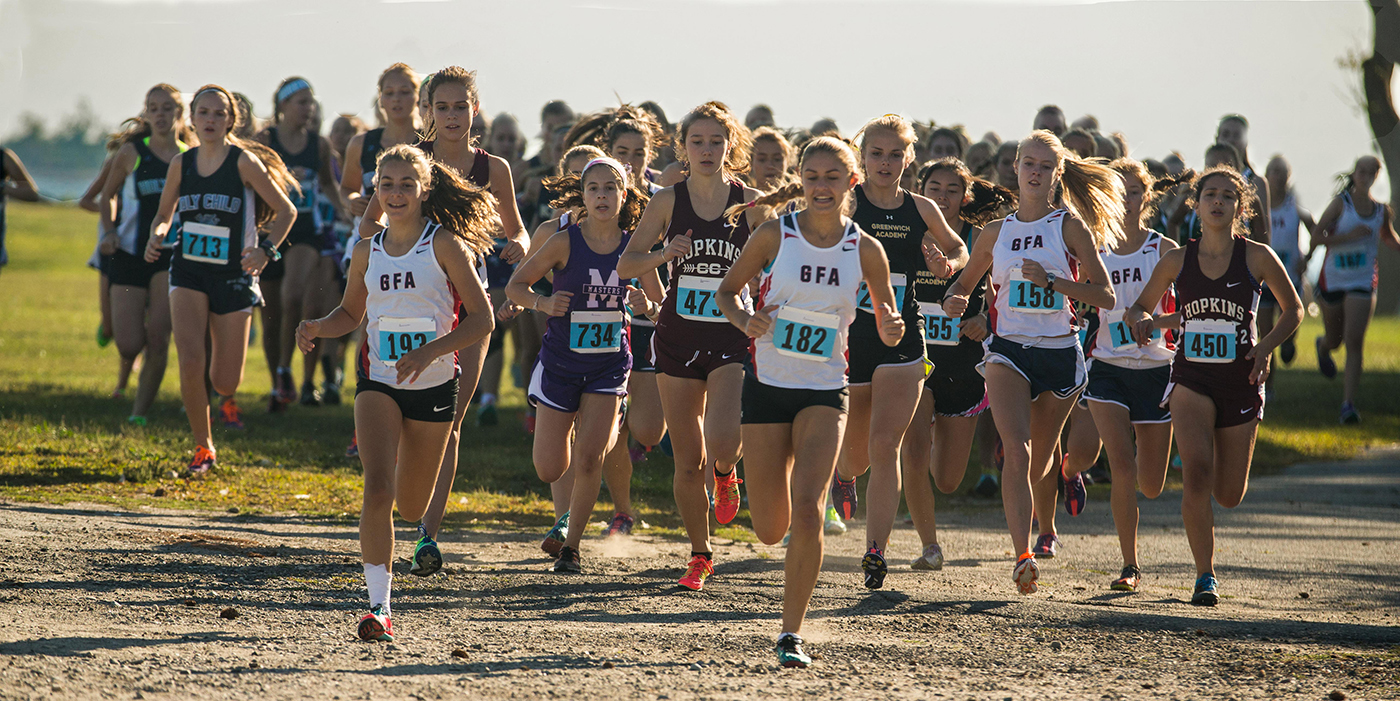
1162,71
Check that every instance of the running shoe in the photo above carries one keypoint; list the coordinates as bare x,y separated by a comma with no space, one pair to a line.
875,568
987,486
1206,594
102,338
202,463
1287,350
1325,365
353,450
568,562
932,559
139,421
309,397
843,497
554,539
1047,546
790,654
727,495
486,415
1128,579
620,525
275,405
1076,496
376,627
330,393
1025,574
1349,414
699,569
427,558
834,525
117,393
286,386
229,412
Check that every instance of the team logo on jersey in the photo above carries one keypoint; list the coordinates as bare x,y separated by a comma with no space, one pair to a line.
1213,308
211,200
1024,243
602,293
821,275
1126,275
397,281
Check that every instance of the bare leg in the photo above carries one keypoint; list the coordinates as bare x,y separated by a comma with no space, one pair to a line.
915,466
684,402
1359,309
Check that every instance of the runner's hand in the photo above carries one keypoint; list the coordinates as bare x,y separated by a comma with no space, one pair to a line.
678,247
760,322
153,245
937,263
413,363
638,301
891,324
508,311
955,305
1260,372
975,328
514,252
254,260
307,333
1035,272
556,304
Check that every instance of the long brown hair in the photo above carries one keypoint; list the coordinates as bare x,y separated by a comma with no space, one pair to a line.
776,199
1244,207
736,159
1155,189
456,75
983,198
137,128
1093,192
276,169
570,189
466,210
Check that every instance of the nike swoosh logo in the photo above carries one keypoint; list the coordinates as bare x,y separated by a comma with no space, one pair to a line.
847,249
1246,410
441,408
1231,284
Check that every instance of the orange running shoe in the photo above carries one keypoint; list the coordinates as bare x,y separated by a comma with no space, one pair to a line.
727,496
1026,574
202,463
229,412
696,572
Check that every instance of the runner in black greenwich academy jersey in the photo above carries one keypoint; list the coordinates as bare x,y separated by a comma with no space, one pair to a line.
1216,395
909,227
216,199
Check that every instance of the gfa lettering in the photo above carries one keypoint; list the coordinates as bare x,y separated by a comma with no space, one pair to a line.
821,275
397,281
1126,275
1027,242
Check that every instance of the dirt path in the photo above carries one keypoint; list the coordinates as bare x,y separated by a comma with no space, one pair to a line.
98,604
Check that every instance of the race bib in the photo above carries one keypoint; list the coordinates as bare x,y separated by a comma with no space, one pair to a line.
1122,337
307,198
595,332
899,281
1351,260
939,328
398,336
695,299
204,243
798,333
1026,296
1209,341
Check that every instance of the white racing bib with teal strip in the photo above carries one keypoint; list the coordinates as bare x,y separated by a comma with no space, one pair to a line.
900,283
939,328
1026,296
398,336
1122,336
205,243
595,332
798,333
1210,341
695,299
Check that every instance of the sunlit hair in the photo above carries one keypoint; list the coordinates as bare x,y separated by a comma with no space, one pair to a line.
1229,152
451,75
1154,188
773,136
604,128
249,127
776,199
277,104
1093,192
736,159
894,124
1244,204
137,128
402,69
982,199
468,211
587,151
570,189
276,169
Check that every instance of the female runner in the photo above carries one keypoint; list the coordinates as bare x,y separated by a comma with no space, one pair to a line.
306,274
772,157
698,355
1034,368
409,282
219,195
1216,393
939,438
1351,228
809,265
397,107
579,381
1285,217
911,228
140,293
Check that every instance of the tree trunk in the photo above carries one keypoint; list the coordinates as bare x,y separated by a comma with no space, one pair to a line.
1380,108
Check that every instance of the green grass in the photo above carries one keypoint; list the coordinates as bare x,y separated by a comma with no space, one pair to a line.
62,439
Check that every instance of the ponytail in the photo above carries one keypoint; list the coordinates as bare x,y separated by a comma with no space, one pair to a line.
136,128
779,198
466,210
983,199
774,200
1093,192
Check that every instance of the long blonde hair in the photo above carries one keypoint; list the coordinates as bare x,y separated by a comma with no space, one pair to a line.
1093,192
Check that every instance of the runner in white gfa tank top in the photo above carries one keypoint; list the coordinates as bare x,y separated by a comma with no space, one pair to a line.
809,266
409,280
1034,366
1351,229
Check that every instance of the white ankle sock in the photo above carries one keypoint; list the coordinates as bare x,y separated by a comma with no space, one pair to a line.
378,580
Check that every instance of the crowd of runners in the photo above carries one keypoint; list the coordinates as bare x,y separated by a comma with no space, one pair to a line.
725,288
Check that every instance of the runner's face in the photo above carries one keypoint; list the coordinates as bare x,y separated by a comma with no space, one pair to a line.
825,182
1051,121
1006,166
1234,134
213,117
1037,169
296,110
602,193
1276,173
706,145
767,164
161,111
886,156
1133,199
1365,174
400,192
341,133
576,164
1082,146
631,149
945,188
397,97
452,112
1219,202
943,147
505,139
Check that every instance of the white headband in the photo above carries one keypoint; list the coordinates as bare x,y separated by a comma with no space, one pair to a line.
622,171
292,88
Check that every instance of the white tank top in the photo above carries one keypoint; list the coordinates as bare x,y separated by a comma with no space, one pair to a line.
1283,235
410,303
1021,311
815,290
1114,342
1352,266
